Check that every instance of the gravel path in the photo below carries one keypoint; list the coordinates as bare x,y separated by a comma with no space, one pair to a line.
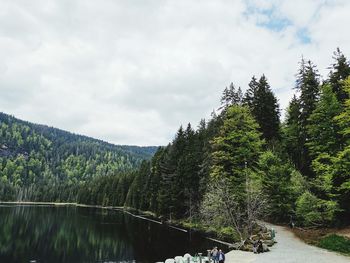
289,249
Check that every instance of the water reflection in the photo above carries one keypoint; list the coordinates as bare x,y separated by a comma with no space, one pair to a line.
70,234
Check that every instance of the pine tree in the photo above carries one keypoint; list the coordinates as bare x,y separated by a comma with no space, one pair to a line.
322,128
155,180
236,149
276,185
292,132
265,109
340,70
251,93
307,84
344,118
324,142
231,96
342,162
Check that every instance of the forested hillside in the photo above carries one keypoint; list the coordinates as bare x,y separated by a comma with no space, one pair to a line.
40,163
246,163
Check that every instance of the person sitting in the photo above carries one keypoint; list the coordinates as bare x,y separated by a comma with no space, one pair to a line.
260,248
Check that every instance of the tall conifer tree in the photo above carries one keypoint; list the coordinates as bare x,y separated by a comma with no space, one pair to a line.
236,149
322,128
340,70
307,84
264,107
292,132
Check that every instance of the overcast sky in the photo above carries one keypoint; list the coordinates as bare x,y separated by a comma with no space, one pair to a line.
131,72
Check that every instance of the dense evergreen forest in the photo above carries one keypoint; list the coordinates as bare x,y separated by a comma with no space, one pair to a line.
245,160
242,161
40,163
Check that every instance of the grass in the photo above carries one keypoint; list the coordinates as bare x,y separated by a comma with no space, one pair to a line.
227,234
335,243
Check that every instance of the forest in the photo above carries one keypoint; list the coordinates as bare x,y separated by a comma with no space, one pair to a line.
40,163
244,162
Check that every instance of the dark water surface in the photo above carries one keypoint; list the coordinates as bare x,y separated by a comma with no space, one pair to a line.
71,234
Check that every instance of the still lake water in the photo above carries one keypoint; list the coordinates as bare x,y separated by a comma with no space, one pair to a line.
72,234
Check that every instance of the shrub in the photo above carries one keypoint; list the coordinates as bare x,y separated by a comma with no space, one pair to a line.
314,211
335,243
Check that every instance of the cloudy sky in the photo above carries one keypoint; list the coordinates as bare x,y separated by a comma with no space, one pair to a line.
133,71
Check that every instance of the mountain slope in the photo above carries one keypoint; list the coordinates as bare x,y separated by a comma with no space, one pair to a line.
38,162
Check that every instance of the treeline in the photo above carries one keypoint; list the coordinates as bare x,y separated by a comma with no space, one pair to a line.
298,168
40,163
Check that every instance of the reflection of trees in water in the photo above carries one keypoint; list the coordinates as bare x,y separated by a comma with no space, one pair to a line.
70,234
62,234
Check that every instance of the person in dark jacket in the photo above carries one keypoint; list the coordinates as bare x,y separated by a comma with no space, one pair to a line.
260,248
221,256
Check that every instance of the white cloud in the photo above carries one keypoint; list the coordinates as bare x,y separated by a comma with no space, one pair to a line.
130,72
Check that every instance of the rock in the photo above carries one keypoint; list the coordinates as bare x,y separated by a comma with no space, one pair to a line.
236,245
265,236
265,248
269,243
248,247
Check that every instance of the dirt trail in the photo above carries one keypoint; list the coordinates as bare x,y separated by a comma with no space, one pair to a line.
289,249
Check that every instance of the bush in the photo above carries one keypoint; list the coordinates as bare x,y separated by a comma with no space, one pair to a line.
314,211
335,243
228,234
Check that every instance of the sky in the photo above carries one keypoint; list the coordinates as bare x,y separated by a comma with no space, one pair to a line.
133,71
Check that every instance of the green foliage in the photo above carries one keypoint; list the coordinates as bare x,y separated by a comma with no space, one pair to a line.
236,148
38,163
307,84
336,243
323,167
231,97
343,119
264,107
276,184
322,128
341,179
292,139
340,70
314,211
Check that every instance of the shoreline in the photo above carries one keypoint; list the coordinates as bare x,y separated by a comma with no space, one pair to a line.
127,210
58,204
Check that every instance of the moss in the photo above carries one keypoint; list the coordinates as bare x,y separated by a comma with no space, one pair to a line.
335,243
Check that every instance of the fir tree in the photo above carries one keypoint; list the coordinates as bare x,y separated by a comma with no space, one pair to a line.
265,109
251,93
322,128
340,70
292,132
307,84
342,162
276,185
231,96
236,149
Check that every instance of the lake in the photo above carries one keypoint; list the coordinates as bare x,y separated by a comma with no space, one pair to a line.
76,234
